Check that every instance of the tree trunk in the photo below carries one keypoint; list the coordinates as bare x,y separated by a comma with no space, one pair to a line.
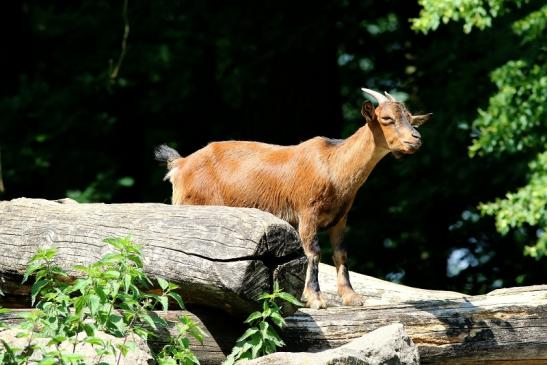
220,256
225,257
506,326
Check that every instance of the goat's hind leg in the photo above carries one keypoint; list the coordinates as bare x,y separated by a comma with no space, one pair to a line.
345,290
310,243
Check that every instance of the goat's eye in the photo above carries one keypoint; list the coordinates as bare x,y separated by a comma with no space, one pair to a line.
387,120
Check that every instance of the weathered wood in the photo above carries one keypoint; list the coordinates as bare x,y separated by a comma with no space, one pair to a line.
228,256
220,256
376,291
506,326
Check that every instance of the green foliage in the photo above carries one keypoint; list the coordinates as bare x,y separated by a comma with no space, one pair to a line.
261,337
177,351
516,114
532,27
66,128
515,121
474,13
527,206
96,191
108,297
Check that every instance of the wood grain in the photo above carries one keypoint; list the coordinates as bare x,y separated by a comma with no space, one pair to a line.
220,256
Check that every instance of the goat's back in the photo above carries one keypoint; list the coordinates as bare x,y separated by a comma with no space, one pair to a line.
277,179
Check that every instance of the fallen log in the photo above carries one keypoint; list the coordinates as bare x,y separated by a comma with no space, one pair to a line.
220,256
505,326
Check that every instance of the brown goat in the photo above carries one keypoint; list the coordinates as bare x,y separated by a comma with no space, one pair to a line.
311,185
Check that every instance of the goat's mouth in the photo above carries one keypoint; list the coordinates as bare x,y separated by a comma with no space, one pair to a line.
408,148
411,147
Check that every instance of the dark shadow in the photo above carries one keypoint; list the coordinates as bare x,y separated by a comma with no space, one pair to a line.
467,327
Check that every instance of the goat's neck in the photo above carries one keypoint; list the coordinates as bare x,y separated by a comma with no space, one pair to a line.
353,160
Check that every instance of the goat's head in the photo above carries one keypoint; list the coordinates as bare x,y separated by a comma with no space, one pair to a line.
393,126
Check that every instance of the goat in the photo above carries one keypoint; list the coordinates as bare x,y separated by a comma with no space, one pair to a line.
311,185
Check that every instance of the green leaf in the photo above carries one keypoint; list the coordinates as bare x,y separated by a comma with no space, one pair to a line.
149,320
93,301
291,299
126,282
250,331
269,347
22,335
164,302
36,288
89,329
278,319
177,298
48,361
126,181
116,323
164,284
272,336
142,332
256,343
253,316
267,311
264,326
112,274
166,361
123,349
94,341
79,285
30,270
114,242
70,358
136,259
56,340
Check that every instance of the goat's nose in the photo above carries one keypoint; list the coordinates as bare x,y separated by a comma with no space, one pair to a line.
416,134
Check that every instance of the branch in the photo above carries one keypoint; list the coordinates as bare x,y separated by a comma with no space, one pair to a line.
116,70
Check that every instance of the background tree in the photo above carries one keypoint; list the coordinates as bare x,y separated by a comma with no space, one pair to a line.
515,121
279,72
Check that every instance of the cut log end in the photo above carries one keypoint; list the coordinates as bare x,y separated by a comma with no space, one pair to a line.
220,256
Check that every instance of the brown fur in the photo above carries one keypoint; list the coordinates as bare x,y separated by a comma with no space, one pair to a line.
311,185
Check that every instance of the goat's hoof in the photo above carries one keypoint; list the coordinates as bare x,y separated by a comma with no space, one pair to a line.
353,299
314,300
316,303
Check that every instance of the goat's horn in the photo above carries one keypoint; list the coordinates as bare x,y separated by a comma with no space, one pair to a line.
391,98
376,95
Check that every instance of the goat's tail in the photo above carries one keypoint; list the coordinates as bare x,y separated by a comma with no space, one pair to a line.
166,155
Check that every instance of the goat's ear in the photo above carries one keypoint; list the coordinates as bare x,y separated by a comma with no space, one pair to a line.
418,120
367,111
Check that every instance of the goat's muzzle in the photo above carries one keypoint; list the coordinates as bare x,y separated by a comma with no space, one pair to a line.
411,146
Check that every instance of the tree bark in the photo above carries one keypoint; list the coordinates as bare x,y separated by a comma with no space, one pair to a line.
225,257
506,326
220,256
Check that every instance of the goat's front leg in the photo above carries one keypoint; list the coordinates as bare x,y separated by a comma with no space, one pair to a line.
340,255
310,243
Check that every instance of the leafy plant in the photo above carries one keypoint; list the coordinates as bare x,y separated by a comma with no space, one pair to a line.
109,297
261,338
515,120
177,351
